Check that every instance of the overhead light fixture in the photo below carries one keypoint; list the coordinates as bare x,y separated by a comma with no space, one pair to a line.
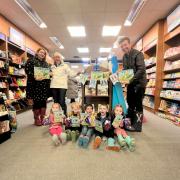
77,31
102,59
56,41
86,65
31,13
83,50
85,59
111,30
135,10
104,50
74,66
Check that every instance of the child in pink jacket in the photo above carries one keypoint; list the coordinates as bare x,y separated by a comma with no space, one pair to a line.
56,118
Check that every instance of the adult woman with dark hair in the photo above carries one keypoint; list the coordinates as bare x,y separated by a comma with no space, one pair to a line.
37,86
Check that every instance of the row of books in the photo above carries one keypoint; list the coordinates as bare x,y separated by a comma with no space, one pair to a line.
151,70
17,94
19,82
172,75
148,101
16,71
174,119
170,94
102,90
171,65
172,84
151,83
150,91
150,61
169,107
151,76
172,52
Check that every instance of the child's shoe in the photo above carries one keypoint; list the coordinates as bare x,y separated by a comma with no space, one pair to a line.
111,145
63,138
121,141
55,140
68,133
97,142
77,134
74,136
131,143
85,141
80,141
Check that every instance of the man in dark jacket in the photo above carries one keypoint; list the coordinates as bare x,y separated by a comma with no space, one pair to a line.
134,59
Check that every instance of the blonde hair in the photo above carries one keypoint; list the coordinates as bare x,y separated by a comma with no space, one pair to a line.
59,55
60,108
75,104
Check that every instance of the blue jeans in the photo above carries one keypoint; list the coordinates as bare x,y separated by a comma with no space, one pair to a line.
87,131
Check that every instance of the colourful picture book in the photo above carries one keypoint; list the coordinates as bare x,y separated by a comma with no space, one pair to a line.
40,72
75,121
98,126
126,75
102,90
89,91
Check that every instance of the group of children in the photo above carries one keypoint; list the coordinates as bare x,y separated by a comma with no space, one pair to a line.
106,127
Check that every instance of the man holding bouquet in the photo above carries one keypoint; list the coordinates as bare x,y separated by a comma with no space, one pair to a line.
134,59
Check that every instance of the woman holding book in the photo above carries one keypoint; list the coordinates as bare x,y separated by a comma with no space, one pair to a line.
59,82
38,82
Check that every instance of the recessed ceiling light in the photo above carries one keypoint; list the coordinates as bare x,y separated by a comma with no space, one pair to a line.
111,30
86,59
56,41
74,66
77,31
104,50
83,50
31,13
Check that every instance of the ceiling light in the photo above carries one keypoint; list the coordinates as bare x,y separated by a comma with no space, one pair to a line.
74,66
83,50
56,41
77,31
111,30
86,65
85,59
102,59
31,13
104,50
136,8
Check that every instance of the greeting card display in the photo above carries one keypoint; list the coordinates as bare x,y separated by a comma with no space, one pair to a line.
41,73
99,126
126,75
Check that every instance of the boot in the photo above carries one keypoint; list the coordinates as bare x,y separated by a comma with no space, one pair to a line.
131,143
56,140
42,114
121,141
73,136
138,124
37,120
68,132
63,138
111,145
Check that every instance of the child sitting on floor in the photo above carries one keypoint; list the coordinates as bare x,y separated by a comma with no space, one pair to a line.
104,127
56,118
118,123
72,122
88,123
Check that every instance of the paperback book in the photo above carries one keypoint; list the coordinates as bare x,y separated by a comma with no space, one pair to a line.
126,75
40,72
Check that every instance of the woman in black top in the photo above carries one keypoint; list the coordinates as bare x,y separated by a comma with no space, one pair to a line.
37,87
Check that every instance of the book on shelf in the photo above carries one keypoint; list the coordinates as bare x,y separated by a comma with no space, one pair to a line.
89,91
172,52
102,90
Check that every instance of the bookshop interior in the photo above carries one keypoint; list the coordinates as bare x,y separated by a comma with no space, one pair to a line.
88,84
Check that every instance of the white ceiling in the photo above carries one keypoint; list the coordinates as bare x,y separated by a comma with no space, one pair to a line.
93,14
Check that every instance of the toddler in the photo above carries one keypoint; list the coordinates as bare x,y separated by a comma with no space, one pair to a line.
56,119
88,123
72,122
118,123
104,127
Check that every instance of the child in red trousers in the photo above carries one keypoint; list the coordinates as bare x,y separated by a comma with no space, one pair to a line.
118,123
56,118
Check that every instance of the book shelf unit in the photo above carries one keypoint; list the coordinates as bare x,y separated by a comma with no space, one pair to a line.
97,99
170,93
12,75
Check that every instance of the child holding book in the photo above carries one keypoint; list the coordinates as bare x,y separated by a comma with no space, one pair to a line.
56,118
118,124
88,123
103,127
72,123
